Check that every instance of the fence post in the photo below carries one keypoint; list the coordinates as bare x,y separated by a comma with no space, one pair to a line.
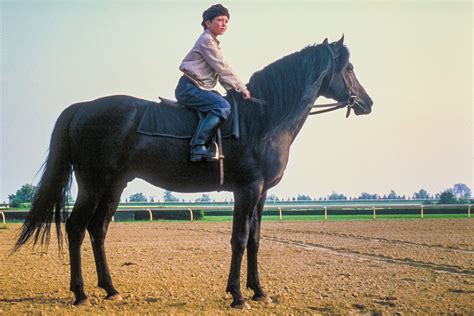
325,213
373,208
191,217
422,215
3,217
151,214
113,219
280,213
469,211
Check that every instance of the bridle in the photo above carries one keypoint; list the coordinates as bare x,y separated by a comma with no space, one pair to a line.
352,100
349,103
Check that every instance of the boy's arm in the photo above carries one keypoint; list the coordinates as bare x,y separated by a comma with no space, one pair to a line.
213,56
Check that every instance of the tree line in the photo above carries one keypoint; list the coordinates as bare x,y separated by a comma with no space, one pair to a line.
168,196
459,193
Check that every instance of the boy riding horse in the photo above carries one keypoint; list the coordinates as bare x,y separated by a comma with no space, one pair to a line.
202,67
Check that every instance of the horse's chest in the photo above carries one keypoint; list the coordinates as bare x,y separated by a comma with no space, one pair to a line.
275,165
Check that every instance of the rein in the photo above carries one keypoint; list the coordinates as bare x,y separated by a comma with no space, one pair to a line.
333,106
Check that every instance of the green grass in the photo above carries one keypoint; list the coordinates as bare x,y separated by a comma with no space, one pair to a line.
446,216
299,218
216,219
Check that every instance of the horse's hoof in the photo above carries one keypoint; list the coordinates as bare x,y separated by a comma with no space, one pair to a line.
243,305
114,297
262,298
82,302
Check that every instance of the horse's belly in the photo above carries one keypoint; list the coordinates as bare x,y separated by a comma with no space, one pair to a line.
164,162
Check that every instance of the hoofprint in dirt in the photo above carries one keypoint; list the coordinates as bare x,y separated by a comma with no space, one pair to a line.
421,266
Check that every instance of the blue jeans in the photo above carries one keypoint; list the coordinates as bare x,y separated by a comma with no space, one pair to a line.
188,94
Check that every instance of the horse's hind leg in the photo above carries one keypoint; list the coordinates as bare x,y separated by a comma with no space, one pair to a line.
76,227
97,229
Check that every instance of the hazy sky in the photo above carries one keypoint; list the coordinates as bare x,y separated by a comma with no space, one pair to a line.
413,57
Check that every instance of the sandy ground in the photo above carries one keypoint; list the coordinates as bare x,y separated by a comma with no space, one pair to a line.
354,267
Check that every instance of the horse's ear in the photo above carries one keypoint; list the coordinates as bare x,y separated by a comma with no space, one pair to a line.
341,41
325,42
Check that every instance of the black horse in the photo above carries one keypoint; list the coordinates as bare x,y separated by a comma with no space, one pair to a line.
98,141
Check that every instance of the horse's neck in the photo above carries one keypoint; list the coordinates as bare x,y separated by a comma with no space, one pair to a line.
287,115
267,123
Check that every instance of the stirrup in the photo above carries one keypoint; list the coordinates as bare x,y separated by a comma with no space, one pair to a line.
218,154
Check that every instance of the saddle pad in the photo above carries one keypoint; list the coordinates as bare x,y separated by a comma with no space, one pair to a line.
164,120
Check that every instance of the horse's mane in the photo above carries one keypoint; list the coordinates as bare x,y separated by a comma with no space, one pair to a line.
288,85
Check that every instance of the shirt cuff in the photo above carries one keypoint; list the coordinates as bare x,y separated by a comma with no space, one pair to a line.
241,88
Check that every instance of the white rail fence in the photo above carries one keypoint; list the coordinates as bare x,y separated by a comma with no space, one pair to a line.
374,208
326,209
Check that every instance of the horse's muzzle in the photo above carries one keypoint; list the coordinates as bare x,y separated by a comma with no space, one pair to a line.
361,108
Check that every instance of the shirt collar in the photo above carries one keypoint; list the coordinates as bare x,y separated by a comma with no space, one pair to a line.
213,36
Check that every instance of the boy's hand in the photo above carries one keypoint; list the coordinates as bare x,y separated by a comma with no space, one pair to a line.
246,95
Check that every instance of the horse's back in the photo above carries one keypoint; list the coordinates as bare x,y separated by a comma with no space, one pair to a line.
113,103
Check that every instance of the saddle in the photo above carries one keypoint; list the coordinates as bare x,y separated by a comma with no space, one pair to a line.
172,119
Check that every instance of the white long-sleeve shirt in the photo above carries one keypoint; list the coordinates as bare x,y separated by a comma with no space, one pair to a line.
205,65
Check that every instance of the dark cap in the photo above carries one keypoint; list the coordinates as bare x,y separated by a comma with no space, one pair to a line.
214,11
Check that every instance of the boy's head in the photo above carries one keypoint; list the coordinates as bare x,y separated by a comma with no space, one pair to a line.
213,12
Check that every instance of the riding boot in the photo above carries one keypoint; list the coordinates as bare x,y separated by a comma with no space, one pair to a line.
202,136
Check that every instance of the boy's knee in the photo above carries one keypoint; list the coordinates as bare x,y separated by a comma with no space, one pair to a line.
224,109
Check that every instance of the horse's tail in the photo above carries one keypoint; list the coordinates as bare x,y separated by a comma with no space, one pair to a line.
52,191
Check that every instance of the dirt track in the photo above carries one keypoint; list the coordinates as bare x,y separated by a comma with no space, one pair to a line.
405,267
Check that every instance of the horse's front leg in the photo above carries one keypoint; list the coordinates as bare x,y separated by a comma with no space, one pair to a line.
244,208
253,280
